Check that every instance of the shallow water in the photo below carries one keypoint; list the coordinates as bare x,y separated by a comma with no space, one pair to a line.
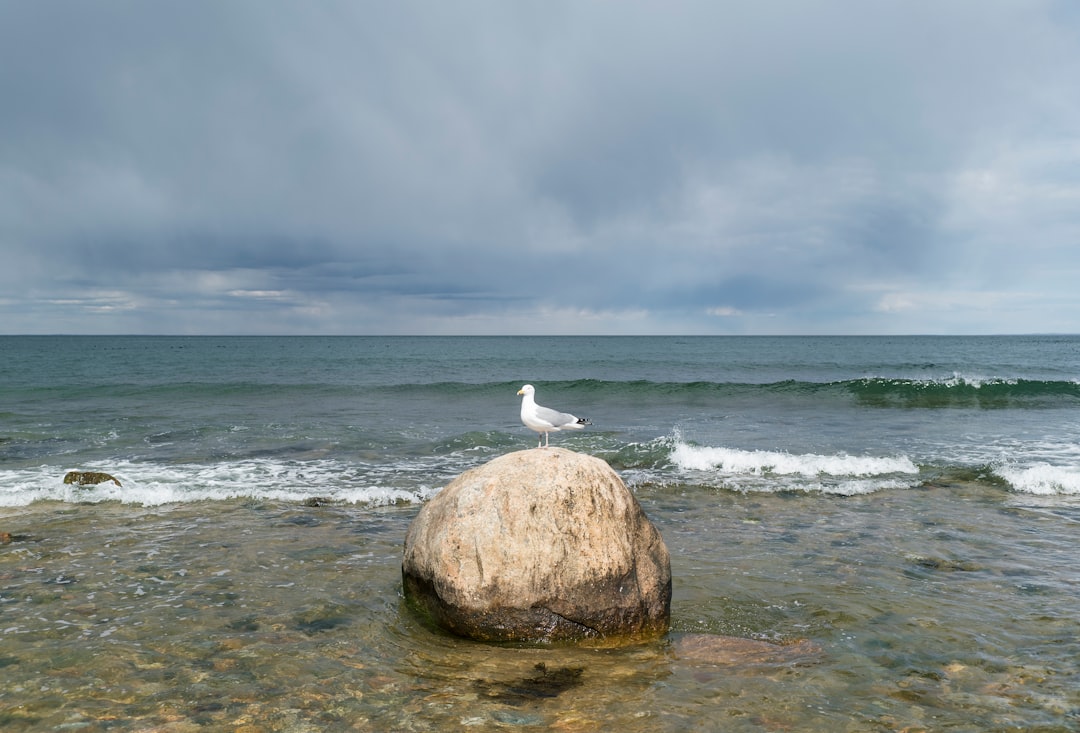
936,608
897,518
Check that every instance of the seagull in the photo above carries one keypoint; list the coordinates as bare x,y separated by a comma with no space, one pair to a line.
544,419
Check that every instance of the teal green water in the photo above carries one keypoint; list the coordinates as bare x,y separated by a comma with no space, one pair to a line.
902,513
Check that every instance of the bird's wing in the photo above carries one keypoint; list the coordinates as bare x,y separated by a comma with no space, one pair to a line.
554,417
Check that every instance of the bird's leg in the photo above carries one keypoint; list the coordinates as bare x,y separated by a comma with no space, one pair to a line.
546,435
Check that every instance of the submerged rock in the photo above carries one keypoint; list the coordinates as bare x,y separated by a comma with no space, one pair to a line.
736,651
546,683
939,563
88,478
539,546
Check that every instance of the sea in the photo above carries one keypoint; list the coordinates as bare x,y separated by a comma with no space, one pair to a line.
903,512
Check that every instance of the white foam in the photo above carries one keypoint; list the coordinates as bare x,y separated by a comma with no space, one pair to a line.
155,484
957,380
785,464
760,470
1041,478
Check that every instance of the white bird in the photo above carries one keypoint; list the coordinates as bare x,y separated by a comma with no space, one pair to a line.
544,419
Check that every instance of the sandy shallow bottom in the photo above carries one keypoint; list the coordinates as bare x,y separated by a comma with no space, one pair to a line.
940,608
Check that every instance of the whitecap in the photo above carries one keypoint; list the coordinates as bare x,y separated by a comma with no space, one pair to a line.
1042,479
774,471
758,462
968,380
150,484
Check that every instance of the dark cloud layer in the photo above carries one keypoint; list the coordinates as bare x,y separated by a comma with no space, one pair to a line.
584,167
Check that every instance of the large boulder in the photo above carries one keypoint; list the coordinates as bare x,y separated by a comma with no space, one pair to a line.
542,545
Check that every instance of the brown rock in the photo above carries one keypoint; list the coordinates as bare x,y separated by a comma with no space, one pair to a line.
736,651
88,478
539,546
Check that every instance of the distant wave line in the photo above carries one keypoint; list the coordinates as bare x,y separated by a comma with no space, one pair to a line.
956,383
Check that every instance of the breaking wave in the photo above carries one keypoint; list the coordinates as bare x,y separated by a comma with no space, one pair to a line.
1041,479
774,471
150,484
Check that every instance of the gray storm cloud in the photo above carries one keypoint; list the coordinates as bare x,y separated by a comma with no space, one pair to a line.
554,167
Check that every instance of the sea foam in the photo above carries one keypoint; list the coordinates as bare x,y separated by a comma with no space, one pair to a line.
760,470
150,484
1041,478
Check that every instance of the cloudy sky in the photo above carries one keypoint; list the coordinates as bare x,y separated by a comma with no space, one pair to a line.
594,167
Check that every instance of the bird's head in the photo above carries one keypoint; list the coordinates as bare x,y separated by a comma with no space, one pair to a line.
527,389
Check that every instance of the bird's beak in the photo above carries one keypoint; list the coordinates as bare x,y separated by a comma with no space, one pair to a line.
521,391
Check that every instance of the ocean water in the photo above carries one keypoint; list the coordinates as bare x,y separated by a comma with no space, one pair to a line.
907,507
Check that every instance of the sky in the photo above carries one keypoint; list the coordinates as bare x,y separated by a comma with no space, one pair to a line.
539,167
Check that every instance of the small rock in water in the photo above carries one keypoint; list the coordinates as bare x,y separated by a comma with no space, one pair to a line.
735,651
939,563
506,717
322,618
88,478
546,684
